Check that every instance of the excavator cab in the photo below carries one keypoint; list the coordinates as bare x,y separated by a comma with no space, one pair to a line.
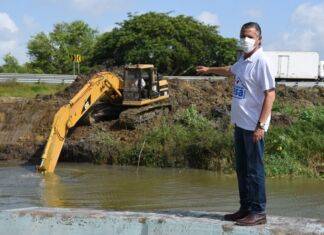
142,85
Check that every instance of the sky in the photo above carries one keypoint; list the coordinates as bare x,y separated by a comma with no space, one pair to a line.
293,25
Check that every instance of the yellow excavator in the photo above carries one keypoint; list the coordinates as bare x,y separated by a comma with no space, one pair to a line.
142,94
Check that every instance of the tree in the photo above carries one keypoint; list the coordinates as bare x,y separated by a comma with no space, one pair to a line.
173,44
41,53
50,53
11,65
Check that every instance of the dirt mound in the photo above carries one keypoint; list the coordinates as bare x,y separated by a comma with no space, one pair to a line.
74,88
24,124
64,96
205,95
306,96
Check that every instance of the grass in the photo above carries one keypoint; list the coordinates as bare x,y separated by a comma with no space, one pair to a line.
299,148
14,89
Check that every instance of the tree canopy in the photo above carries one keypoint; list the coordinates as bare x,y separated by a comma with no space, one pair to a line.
51,52
11,65
173,44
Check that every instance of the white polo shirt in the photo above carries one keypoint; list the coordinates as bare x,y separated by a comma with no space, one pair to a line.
252,77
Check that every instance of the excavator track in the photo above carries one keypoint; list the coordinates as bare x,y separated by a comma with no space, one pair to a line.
102,111
132,117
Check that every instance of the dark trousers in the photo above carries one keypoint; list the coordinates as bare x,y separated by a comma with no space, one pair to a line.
250,171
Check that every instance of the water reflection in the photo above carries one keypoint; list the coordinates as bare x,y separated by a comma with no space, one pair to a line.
123,188
53,192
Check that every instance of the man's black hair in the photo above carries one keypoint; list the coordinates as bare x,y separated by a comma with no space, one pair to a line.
252,25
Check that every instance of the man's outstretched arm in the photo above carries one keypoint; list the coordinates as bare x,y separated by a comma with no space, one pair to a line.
223,71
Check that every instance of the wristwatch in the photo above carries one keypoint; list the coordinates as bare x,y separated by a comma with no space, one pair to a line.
261,125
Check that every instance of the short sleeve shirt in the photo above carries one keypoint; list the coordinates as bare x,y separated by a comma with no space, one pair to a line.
252,77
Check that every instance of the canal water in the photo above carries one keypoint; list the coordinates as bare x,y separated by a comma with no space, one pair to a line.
149,189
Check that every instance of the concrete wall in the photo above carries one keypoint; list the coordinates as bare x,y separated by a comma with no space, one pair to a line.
82,221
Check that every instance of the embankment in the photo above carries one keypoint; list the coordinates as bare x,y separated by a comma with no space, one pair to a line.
195,134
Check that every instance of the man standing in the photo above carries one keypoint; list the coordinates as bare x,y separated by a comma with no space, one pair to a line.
253,96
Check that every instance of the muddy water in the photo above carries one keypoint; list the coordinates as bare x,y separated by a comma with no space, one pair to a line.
147,189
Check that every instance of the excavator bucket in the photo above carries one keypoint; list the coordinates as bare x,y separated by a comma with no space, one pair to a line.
55,141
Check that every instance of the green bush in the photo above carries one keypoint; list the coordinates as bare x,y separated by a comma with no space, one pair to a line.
191,140
192,119
108,149
297,149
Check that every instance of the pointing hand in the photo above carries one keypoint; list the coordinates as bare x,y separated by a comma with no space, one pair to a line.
202,69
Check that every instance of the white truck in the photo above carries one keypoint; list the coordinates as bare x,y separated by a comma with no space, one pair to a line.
293,65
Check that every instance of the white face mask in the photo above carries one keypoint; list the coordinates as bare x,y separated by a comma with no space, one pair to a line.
247,44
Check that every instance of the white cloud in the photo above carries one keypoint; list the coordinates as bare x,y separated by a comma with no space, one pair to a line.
310,16
9,37
6,23
307,31
254,13
208,18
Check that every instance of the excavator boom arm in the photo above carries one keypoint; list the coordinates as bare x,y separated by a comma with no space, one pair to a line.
68,115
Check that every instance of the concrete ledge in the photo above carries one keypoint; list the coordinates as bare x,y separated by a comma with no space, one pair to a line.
84,221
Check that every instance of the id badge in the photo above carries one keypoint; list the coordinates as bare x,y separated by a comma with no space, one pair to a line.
239,92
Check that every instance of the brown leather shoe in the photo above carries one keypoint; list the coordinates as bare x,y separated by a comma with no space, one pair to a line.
252,219
235,216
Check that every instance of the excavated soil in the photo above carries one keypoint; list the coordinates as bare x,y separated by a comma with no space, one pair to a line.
26,123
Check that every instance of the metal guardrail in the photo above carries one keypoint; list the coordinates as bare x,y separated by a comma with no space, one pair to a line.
301,84
68,79
206,78
37,78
